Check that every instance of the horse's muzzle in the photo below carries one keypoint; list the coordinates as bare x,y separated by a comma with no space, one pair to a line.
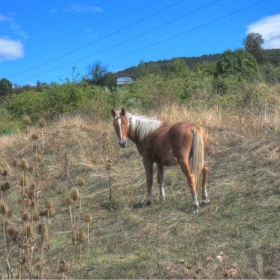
123,143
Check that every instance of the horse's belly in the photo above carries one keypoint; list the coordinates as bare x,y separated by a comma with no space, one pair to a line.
166,158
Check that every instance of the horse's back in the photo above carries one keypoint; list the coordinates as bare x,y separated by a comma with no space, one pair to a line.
181,131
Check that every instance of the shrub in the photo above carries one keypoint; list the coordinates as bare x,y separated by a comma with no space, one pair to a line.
28,103
7,123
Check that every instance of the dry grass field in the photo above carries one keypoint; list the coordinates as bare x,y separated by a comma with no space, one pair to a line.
73,203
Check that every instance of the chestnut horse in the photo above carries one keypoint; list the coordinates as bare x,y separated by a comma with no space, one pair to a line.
182,143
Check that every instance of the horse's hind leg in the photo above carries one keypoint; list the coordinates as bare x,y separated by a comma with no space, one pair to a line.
149,179
205,200
160,179
191,181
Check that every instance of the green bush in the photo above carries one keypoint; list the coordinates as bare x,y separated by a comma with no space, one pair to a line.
7,123
27,103
235,68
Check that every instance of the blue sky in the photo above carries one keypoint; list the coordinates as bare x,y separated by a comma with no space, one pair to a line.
42,40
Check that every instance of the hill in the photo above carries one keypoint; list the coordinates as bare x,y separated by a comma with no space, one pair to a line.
272,56
121,238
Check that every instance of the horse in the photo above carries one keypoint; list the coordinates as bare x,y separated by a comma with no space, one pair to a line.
166,145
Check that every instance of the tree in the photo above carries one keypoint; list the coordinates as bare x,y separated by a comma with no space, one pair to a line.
96,72
206,68
252,44
179,67
234,67
109,80
238,63
145,69
6,87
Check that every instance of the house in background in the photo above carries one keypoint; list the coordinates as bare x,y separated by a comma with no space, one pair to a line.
124,79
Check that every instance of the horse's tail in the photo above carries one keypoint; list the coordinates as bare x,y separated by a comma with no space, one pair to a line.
197,154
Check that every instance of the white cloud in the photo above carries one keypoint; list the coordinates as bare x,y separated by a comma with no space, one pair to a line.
10,49
4,18
268,27
79,9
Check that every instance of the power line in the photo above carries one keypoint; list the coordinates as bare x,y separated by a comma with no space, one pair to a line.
54,23
185,32
105,37
102,22
172,37
130,39
66,18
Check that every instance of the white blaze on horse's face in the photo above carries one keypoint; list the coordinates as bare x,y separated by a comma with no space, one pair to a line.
121,127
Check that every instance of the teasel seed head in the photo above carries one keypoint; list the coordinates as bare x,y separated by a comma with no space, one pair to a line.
27,120
35,217
42,229
43,212
23,182
47,212
32,187
74,194
62,266
81,182
51,212
25,217
31,194
24,164
49,204
10,213
35,136
37,158
38,266
3,208
15,162
88,218
12,232
4,172
81,236
31,169
69,200
5,186
42,122
28,202
45,236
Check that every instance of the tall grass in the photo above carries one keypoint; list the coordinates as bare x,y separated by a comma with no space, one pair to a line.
236,236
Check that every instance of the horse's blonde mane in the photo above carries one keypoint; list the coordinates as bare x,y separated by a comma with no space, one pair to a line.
141,125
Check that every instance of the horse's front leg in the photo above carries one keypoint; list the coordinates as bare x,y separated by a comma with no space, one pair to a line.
160,178
148,164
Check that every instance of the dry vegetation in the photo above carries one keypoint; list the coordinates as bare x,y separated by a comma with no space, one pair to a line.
89,195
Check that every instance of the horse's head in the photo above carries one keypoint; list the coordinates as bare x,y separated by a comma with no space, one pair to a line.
121,126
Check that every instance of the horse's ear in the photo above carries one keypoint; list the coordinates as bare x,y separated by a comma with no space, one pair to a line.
123,112
113,112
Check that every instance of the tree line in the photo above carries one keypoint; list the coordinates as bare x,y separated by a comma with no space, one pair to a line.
249,63
221,80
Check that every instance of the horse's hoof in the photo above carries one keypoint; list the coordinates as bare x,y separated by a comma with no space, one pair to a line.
195,209
205,203
148,203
